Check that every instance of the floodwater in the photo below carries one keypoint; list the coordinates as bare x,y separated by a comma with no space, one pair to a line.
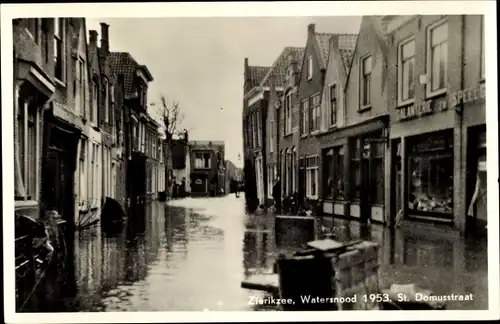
192,255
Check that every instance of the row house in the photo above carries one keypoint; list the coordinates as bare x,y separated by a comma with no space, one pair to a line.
393,121
207,167
254,116
436,101
152,152
282,120
179,171
136,122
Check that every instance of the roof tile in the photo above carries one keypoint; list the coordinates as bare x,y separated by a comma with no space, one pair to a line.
257,73
280,65
124,63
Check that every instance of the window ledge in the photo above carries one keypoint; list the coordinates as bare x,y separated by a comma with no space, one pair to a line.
288,134
316,132
406,103
364,108
59,82
482,80
25,203
434,94
304,136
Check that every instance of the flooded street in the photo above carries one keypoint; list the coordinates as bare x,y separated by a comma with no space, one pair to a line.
193,254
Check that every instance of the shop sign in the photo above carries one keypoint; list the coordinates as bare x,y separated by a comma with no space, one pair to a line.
468,95
422,109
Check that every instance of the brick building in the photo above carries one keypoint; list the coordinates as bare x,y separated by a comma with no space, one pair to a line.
436,100
136,78
207,167
254,116
282,119
34,86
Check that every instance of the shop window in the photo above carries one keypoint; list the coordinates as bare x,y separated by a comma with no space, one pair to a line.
338,173
328,167
356,169
377,173
437,47
430,175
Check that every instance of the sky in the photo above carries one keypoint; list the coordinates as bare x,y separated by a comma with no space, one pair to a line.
199,62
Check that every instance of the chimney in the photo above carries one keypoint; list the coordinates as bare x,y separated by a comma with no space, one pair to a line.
186,137
105,37
93,38
311,28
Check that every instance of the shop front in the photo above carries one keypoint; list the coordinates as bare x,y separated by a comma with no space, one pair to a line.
429,176
353,170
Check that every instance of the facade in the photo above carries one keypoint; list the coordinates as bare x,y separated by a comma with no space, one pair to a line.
180,171
333,120
254,117
438,118
309,95
34,86
356,177
136,79
207,168
282,121
151,151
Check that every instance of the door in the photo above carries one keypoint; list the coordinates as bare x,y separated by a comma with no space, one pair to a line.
396,179
365,192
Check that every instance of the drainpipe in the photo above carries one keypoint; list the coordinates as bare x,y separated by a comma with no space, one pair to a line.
461,118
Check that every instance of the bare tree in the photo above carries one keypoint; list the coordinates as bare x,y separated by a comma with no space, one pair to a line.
172,117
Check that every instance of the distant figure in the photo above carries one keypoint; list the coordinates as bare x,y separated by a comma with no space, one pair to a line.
277,195
233,187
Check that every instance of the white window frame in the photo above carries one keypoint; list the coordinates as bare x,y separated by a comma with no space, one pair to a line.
294,169
288,113
106,101
309,67
315,112
62,39
200,163
80,83
362,74
271,136
304,113
95,102
428,88
402,44
329,105
309,170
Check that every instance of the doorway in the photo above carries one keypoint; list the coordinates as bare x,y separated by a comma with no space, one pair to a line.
58,174
396,177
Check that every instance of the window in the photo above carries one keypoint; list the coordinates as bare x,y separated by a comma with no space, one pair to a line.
332,111
483,53
315,112
305,116
202,161
81,165
309,67
430,174
437,39
92,172
376,172
154,147
33,28
289,113
366,79
259,128
27,143
270,180
406,71
106,101
95,101
356,169
58,48
79,87
294,169
312,177
254,130
271,136
288,172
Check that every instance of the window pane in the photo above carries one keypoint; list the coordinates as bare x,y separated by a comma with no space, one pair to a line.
443,65
439,34
436,55
367,65
411,78
408,50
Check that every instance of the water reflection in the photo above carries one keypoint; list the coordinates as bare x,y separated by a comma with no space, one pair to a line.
194,255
